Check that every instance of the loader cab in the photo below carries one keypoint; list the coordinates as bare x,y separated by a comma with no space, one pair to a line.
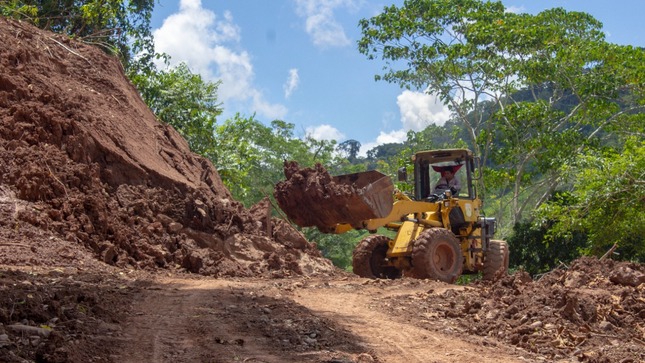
429,166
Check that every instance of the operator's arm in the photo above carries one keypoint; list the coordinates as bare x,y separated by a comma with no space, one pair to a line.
454,183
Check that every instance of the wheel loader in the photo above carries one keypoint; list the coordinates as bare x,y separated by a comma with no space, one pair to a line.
440,232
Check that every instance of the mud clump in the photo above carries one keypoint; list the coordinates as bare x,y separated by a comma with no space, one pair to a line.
312,197
85,167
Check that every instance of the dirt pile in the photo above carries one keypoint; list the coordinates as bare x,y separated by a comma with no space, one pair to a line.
593,311
83,162
312,197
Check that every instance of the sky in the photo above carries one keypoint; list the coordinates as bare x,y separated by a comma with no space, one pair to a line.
297,61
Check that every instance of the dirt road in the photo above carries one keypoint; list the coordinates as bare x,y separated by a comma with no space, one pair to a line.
300,320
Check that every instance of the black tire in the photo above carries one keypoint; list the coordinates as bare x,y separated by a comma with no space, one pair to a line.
437,255
495,260
369,259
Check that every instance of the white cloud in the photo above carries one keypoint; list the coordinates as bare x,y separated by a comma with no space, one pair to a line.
320,22
418,110
391,137
272,111
292,82
202,39
324,132
366,147
515,9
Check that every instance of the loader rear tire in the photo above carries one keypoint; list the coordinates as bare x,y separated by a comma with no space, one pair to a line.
437,255
495,260
370,260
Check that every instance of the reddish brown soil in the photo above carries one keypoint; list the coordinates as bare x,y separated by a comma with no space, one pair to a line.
119,245
312,197
309,195
83,160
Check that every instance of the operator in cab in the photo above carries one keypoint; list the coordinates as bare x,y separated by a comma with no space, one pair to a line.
448,181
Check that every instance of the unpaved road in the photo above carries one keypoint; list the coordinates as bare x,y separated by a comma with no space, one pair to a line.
294,320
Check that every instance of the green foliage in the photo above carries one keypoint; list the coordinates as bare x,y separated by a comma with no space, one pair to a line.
120,26
385,151
534,251
349,149
608,201
250,156
18,10
529,91
184,100
430,45
336,247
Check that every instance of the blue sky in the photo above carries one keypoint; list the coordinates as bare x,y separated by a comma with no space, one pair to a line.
297,60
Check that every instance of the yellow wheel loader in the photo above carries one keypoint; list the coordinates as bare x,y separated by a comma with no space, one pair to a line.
440,230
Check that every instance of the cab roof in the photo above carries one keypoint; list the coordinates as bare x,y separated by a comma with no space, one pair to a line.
456,156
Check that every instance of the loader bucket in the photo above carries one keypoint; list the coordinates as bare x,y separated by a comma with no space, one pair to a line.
311,197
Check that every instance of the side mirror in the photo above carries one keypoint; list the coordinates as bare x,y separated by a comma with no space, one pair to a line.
402,174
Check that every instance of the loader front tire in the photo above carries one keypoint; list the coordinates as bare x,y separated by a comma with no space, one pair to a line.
370,260
437,255
495,260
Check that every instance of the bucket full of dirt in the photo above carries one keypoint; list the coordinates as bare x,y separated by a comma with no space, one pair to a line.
312,197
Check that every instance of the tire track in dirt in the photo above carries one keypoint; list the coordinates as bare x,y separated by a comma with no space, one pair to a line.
393,341
217,320
157,331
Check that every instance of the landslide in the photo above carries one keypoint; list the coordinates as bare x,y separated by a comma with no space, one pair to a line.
117,244
85,164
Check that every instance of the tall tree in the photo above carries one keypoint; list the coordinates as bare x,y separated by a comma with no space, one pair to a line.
350,149
477,57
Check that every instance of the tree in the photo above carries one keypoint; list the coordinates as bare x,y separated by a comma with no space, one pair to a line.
384,151
120,26
184,100
477,58
350,149
250,156
336,247
607,201
534,250
429,39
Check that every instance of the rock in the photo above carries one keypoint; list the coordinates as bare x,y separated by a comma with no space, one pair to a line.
626,276
309,341
285,234
27,329
575,279
364,358
155,228
605,325
174,227
108,253
164,219
536,325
